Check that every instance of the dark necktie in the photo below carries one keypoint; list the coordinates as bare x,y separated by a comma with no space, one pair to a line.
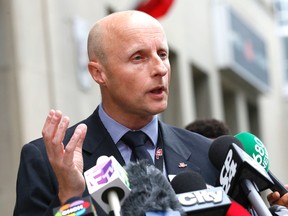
136,140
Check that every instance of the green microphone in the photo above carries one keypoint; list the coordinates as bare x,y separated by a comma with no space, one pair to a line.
254,147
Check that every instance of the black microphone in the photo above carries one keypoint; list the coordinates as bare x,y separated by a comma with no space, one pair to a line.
240,176
188,181
76,206
219,149
151,192
192,181
196,199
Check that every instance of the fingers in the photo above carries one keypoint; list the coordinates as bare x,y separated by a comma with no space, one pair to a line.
74,147
53,133
285,200
83,128
48,120
282,200
51,124
58,148
273,197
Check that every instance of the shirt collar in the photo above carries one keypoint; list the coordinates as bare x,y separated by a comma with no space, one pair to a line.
117,130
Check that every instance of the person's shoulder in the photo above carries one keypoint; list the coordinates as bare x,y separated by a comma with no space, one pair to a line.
185,135
36,143
165,126
176,129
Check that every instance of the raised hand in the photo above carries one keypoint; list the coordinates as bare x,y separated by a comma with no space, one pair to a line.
67,162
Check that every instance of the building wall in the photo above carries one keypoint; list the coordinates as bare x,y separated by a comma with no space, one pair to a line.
39,60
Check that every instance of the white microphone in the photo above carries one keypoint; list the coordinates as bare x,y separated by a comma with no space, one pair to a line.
108,184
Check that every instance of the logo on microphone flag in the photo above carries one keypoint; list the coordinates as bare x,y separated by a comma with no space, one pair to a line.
76,208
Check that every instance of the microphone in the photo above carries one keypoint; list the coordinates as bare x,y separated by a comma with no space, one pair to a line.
76,206
108,184
278,210
236,209
187,181
254,147
196,199
240,176
218,151
151,192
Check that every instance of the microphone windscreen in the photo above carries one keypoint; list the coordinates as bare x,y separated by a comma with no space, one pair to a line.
187,181
236,209
219,148
150,191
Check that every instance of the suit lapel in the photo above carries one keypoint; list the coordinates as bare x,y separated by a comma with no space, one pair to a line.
176,154
98,142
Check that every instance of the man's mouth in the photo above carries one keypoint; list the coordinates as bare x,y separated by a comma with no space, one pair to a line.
158,90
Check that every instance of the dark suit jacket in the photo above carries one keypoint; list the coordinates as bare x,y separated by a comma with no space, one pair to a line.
37,185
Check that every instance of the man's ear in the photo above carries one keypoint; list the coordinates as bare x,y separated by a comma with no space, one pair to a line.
96,71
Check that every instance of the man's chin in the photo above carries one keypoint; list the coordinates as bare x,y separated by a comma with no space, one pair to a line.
159,110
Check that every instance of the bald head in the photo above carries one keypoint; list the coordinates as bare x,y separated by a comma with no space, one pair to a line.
129,59
111,28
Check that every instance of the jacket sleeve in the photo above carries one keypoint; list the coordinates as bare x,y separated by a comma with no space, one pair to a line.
36,187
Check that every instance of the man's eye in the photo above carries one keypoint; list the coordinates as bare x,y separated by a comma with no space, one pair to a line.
163,55
138,57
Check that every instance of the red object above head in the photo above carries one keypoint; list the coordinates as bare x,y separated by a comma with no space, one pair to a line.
156,8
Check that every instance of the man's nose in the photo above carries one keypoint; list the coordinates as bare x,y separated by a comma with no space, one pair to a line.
160,66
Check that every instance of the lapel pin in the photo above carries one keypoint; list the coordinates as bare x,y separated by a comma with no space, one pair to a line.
159,153
182,165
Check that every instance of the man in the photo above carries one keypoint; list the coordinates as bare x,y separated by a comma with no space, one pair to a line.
128,54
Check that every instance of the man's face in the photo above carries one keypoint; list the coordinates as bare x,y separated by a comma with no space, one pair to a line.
137,69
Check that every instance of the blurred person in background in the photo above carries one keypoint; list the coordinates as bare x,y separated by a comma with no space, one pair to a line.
211,128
